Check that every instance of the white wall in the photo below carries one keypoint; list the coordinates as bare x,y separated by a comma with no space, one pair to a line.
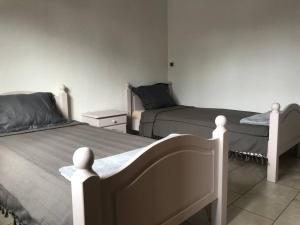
92,46
240,54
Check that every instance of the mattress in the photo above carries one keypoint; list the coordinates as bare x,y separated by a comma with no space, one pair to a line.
31,186
243,138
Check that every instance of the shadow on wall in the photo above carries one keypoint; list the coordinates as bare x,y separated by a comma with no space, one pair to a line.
92,46
235,54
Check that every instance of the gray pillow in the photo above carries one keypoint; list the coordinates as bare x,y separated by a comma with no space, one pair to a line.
28,111
155,96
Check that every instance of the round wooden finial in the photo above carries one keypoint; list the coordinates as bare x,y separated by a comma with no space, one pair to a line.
62,88
276,106
83,158
221,121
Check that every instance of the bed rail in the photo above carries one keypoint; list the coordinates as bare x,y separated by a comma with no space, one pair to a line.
166,183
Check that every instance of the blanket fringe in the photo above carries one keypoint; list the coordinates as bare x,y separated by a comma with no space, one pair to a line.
248,156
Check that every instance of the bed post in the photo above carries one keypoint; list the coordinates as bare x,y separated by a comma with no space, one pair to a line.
63,99
219,207
85,185
273,153
129,105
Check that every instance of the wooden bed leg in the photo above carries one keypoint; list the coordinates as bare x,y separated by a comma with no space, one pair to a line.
85,190
273,154
219,207
272,170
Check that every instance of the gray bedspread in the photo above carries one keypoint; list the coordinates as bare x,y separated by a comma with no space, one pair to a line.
31,185
200,121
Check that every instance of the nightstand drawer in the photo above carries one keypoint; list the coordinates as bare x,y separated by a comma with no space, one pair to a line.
105,122
119,128
110,119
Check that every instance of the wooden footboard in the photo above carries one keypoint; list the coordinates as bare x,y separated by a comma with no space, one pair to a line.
166,183
284,133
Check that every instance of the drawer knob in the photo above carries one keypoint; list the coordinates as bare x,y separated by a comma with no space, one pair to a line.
114,121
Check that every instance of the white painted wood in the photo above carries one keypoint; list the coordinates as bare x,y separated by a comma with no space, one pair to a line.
119,128
104,114
104,122
85,186
219,207
284,133
273,156
135,107
62,99
166,183
110,119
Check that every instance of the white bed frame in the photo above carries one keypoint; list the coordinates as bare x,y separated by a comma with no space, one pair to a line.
165,184
284,130
62,99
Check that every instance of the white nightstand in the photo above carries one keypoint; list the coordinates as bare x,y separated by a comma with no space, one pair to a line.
108,119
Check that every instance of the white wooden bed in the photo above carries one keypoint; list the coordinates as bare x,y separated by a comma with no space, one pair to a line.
166,183
284,129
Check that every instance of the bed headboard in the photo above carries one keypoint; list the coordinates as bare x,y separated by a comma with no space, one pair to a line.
134,103
61,98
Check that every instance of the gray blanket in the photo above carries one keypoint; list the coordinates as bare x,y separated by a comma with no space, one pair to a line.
200,121
31,186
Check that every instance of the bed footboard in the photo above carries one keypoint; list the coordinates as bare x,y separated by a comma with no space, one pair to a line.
166,183
284,133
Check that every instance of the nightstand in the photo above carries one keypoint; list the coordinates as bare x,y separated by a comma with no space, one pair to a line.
108,119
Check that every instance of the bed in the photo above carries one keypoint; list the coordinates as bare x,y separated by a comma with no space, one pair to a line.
164,181
266,143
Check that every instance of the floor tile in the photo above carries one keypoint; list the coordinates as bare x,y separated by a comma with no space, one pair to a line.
232,196
267,199
234,164
246,177
237,216
291,216
290,178
6,220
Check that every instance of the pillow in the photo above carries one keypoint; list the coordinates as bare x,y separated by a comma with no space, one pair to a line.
155,96
28,111
262,119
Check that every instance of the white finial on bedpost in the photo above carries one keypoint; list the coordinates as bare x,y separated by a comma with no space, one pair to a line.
62,88
276,107
273,155
129,105
219,207
220,123
63,101
86,198
83,158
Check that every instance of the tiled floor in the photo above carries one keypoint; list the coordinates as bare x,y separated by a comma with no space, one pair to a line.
254,201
